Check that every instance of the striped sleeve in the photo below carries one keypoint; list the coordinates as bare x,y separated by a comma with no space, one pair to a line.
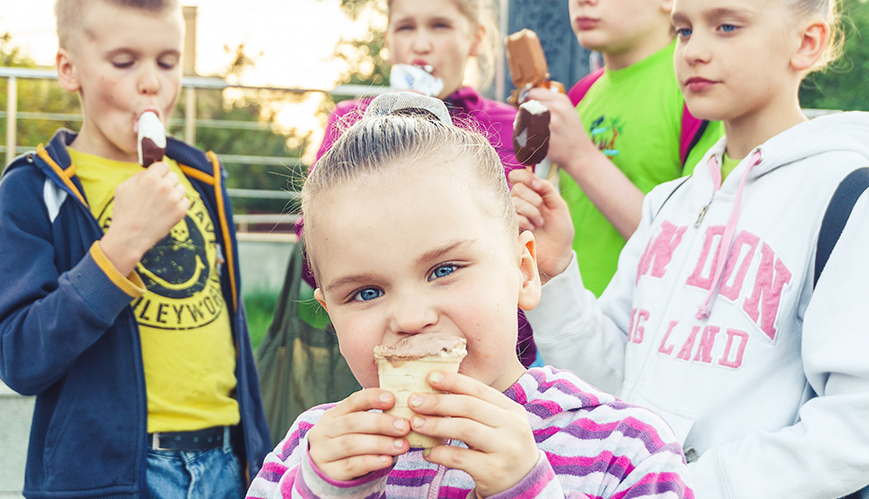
288,471
600,446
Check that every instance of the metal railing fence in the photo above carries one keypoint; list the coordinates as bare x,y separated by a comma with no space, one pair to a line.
189,122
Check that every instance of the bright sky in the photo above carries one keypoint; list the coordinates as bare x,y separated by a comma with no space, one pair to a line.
296,38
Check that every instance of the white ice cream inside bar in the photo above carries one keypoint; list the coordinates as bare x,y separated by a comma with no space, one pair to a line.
151,127
534,107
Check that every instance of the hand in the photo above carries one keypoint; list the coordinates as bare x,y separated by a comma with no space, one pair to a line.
502,449
147,206
569,145
349,442
542,210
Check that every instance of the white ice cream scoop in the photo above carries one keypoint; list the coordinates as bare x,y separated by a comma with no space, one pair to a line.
152,139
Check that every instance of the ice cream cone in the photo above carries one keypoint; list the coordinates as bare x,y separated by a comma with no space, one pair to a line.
404,376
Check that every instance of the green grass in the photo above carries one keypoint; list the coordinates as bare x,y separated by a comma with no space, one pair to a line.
260,309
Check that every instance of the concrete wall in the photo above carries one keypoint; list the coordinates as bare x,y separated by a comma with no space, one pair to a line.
263,259
15,414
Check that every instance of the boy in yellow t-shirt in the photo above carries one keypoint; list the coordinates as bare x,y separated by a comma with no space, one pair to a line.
123,314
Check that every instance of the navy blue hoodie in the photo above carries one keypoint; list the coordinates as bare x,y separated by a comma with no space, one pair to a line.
68,334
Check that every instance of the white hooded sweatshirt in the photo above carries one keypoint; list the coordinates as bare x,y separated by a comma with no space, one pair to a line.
769,393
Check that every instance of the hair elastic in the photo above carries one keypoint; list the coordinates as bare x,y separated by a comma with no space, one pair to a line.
408,103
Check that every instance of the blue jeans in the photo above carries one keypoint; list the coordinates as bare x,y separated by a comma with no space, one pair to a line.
212,474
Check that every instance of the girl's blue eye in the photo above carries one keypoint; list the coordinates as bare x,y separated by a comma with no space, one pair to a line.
368,294
683,32
442,271
727,28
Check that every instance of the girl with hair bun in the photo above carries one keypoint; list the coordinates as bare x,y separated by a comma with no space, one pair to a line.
412,235
722,316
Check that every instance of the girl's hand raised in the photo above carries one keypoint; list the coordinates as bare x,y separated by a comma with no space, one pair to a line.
349,442
502,449
542,210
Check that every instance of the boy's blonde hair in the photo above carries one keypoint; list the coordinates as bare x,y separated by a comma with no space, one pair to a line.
480,13
828,10
398,131
70,14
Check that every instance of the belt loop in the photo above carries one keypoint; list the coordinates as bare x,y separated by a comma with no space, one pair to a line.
155,441
227,440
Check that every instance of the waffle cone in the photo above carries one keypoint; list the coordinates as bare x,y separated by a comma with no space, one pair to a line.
404,377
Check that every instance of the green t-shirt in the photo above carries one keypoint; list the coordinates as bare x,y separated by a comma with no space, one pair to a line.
728,164
634,115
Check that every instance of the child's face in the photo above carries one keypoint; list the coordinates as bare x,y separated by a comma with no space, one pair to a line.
733,59
613,27
403,253
435,33
123,62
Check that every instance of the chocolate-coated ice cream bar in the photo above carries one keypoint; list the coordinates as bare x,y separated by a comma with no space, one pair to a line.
152,139
531,133
527,63
525,59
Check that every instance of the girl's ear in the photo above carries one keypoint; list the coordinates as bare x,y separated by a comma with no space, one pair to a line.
529,291
318,294
66,71
812,43
479,35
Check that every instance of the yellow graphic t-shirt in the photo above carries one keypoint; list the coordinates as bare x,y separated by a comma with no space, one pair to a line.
187,346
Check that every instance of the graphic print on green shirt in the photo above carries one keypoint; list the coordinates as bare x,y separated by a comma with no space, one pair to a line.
634,116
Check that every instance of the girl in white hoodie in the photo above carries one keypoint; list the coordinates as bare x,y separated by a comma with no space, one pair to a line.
714,319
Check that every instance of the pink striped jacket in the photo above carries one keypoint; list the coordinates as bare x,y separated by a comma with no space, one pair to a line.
592,445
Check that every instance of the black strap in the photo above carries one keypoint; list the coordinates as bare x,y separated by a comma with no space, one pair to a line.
684,179
837,214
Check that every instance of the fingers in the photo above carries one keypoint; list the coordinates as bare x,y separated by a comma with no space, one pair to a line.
533,190
349,441
496,429
158,169
364,400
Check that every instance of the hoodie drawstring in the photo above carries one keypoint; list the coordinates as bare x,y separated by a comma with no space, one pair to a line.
727,238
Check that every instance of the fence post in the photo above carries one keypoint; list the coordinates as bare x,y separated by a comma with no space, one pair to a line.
190,116
11,118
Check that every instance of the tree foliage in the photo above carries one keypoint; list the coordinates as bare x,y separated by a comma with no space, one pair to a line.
843,84
257,108
365,56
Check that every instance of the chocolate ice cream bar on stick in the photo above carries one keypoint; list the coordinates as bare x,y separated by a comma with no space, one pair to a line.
531,133
527,63
152,139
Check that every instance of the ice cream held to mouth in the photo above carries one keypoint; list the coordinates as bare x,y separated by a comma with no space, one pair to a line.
152,139
404,366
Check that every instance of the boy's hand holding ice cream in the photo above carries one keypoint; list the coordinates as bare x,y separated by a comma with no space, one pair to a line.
148,204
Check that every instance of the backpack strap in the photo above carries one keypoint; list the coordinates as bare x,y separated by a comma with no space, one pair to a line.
837,214
578,91
692,128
